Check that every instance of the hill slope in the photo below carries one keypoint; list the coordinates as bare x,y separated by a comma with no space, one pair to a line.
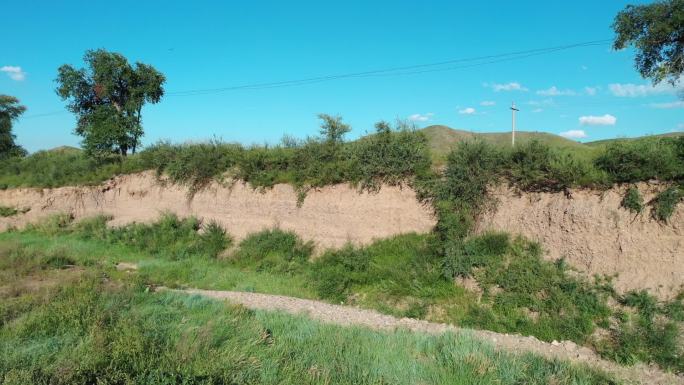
443,138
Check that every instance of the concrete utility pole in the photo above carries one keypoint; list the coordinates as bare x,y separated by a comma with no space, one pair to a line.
514,110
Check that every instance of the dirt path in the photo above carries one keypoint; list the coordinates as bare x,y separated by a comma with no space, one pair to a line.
346,315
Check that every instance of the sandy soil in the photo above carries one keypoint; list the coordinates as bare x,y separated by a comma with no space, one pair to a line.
596,235
346,315
330,216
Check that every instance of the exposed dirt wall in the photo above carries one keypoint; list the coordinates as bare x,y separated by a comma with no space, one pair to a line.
595,234
588,228
331,216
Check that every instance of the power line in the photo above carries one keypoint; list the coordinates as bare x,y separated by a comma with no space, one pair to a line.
392,71
397,71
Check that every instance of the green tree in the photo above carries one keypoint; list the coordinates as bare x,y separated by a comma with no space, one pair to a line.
657,32
10,110
333,129
107,98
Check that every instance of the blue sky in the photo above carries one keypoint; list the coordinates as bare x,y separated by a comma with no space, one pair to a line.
587,93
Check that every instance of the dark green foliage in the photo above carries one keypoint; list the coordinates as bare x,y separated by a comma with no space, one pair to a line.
565,307
8,211
273,250
107,97
10,110
666,202
650,333
170,237
633,201
194,166
641,160
390,156
61,168
214,239
535,166
655,31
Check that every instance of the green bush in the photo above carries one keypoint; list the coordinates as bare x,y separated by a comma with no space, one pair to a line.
643,159
651,333
169,237
273,250
665,203
633,201
63,167
8,211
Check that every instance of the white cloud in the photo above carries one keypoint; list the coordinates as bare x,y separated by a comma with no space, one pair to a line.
467,111
677,104
512,86
420,117
605,120
544,102
487,103
14,72
554,91
591,91
630,90
537,110
574,134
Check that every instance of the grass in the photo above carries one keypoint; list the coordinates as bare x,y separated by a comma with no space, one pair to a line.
443,139
514,289
633,201
116,331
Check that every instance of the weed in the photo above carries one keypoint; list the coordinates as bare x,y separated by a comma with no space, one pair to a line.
665,203
633,201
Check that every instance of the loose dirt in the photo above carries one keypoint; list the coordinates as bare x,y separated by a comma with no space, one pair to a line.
347,316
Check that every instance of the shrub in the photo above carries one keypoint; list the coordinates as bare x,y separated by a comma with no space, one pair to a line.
8,211
644,159
666,202
633,201
273,250
650,335
214,239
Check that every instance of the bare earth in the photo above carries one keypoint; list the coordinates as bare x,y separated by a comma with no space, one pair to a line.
588,228
596,235
346,316
330,216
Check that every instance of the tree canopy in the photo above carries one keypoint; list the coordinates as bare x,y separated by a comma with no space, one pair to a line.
10,110
657,32
107,96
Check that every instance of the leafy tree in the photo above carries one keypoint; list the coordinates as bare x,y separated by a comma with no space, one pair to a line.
657,32
108,97
333,129
10,110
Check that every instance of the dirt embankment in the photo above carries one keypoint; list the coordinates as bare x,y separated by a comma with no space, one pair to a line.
595,234
330,216
588,228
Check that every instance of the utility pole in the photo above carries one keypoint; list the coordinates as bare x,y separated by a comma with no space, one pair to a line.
513,110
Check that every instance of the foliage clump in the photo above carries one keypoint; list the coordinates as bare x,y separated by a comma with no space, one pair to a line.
633,201
665,203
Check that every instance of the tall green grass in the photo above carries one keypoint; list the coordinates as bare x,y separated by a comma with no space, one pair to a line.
513,289
92,332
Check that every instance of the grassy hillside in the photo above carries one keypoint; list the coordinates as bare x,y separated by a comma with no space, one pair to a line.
442,139
610,141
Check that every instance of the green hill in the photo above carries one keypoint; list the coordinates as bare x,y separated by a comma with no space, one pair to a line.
443,138
608,141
